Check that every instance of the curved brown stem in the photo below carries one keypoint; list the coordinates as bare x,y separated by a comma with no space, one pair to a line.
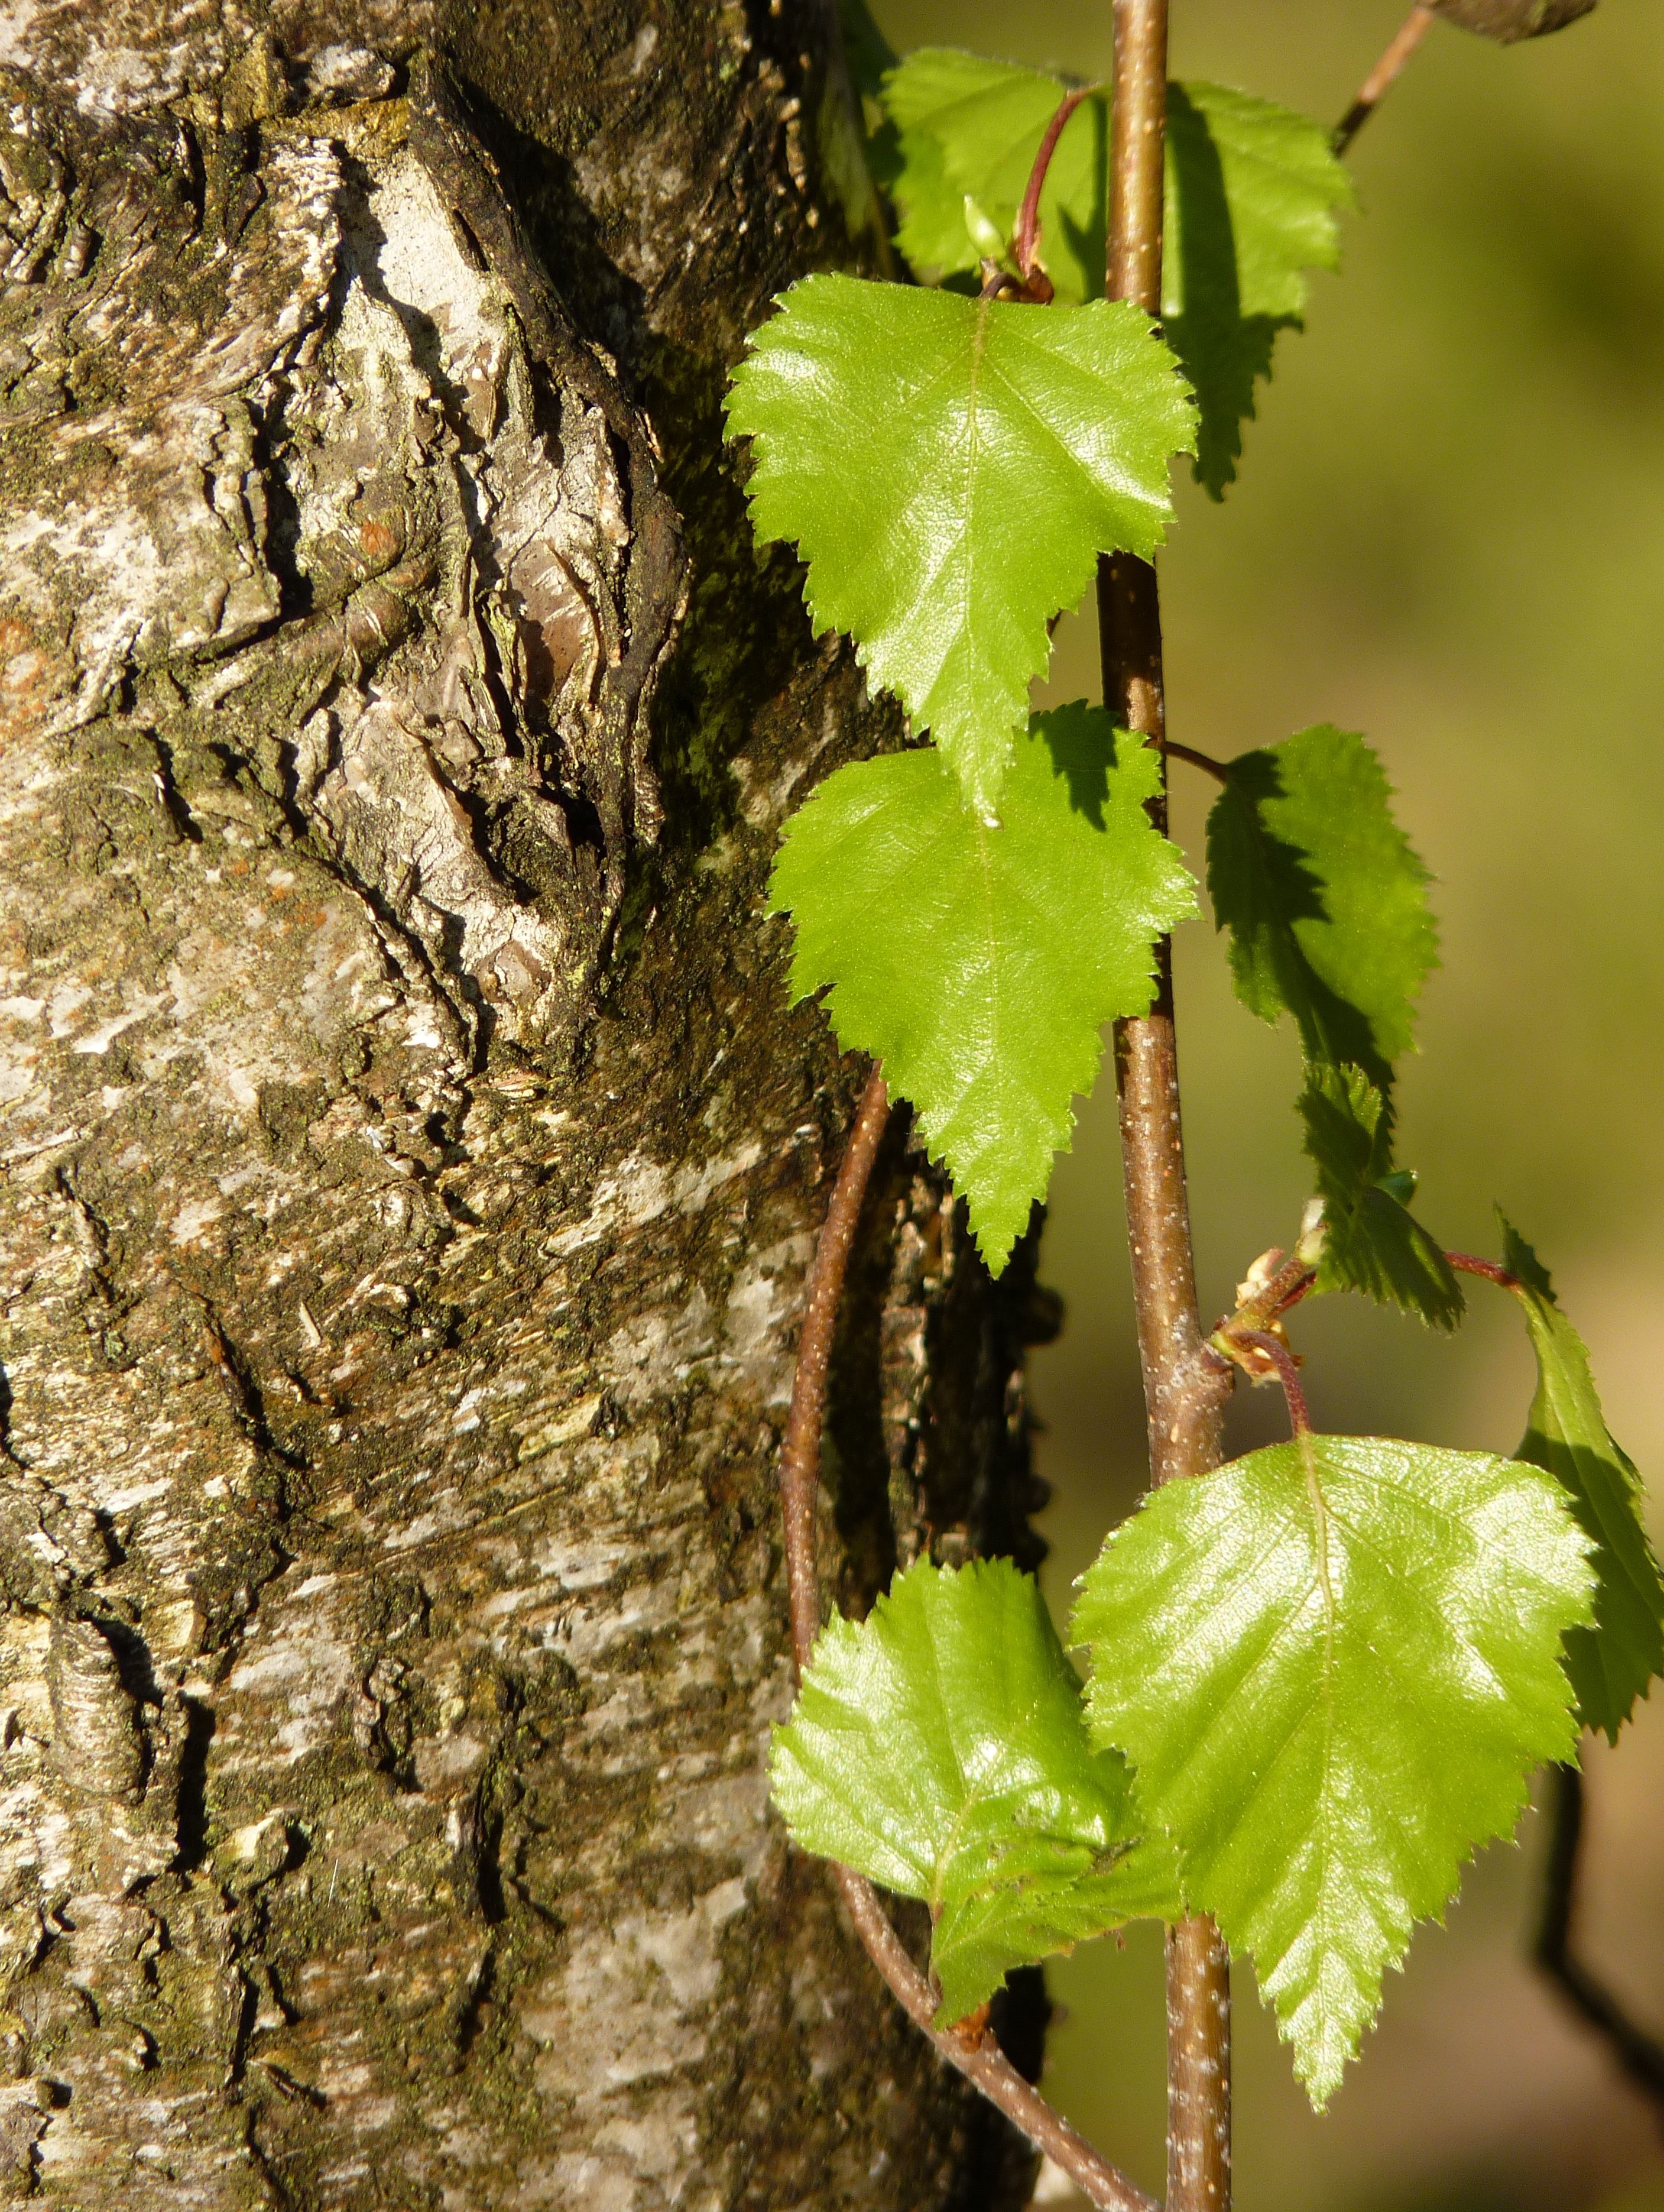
1288,1374
1385,74
1638,2054
1206,762
800,1454
1025,239
978,2058
1184,1385
983,2062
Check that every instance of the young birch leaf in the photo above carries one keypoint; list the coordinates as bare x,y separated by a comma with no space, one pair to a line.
951,470
979,965
940,1748
1333,1667
1613,1662
1371,1242
1325,900
1252,191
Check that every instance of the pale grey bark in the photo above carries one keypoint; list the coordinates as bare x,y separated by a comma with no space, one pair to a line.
408,1165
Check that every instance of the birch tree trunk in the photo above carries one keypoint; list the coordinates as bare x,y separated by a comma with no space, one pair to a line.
408,1164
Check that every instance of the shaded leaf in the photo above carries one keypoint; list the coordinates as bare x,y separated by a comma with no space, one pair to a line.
1252,191
1333,1669
940,1748
951,470
979,965
1325,900
1612,1663
1371,1241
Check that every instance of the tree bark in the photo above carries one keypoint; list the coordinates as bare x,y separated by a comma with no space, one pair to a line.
408,1163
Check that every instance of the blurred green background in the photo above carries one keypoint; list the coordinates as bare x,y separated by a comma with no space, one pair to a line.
1450,534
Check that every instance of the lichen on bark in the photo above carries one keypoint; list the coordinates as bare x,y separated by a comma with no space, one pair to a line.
408,1162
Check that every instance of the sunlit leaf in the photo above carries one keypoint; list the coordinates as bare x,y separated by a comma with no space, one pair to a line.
1334,1667
1252,191
979,965
940,1748
951,470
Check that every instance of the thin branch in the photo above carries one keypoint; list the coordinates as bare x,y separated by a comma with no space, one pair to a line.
1466,1264
800,1454
983,2062
977,2057
1380,81
1185,1383
1206,762
1638,2054
1025,239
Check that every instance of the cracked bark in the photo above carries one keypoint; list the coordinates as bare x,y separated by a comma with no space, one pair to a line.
408,1168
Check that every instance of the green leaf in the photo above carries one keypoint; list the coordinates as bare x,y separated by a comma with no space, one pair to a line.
1252,191
979,965
951,470
1325,900
940,1748
1333,1669
1371,1242
1612,1663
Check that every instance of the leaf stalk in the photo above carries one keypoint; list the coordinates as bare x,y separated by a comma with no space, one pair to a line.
1465,1263
1025,239
1287,1368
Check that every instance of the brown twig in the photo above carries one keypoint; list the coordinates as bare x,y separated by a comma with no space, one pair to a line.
1206,762
1185,1384
977,2057
800,1454
1374,87
983,2062
1639,2056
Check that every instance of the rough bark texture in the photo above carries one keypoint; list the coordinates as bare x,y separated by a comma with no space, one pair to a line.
408,1167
